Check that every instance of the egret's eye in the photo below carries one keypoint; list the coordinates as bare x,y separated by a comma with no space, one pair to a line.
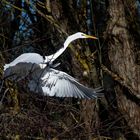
83,35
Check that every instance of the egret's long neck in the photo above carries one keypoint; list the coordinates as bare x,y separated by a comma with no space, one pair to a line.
52,57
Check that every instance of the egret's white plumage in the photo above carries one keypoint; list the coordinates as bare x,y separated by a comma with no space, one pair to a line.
38,59
46,80
32,58
60,84
51,82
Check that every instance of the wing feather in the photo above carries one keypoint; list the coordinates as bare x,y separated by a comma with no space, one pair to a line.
21,70
50,81
66,86
26,58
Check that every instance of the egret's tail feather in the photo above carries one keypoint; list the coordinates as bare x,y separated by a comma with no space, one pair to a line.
99,91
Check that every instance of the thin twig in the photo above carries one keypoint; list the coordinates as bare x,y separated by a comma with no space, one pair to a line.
3,96
1,85
8,3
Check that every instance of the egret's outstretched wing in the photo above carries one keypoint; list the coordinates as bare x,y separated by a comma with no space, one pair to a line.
59,84
23,69
50,82
26,58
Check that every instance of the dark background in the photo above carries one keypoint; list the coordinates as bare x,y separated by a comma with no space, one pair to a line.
113,61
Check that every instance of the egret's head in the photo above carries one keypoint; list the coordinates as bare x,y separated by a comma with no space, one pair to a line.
75,36
82,35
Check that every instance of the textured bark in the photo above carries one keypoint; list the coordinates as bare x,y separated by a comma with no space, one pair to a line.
122,58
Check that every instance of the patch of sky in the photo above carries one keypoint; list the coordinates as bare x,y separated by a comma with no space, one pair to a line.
25,21
25,32
138,7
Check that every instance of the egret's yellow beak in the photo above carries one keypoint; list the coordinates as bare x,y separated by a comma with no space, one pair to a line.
92,37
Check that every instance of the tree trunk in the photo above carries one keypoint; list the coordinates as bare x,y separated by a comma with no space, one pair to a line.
121,46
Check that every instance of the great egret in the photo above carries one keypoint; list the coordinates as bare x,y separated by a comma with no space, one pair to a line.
46,80
38,59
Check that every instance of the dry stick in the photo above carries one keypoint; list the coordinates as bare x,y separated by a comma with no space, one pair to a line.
119,79
3,96
12,5
1,85
68,130
100,58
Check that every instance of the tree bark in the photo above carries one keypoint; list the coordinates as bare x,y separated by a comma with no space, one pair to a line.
121,46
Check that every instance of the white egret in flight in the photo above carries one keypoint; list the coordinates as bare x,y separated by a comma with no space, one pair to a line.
38,59
46,80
